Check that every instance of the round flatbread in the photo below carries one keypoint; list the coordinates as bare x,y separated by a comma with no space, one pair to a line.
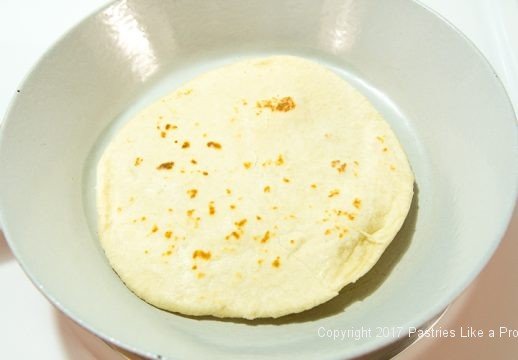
258,189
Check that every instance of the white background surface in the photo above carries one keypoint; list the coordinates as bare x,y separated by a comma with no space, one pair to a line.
31,328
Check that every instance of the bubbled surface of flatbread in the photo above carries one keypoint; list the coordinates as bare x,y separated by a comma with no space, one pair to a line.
258,189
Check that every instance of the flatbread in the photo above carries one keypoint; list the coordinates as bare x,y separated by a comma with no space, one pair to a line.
258,189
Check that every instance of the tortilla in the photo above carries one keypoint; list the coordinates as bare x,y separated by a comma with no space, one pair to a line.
258,189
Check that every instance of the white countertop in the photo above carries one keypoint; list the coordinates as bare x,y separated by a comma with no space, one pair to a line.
31,328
